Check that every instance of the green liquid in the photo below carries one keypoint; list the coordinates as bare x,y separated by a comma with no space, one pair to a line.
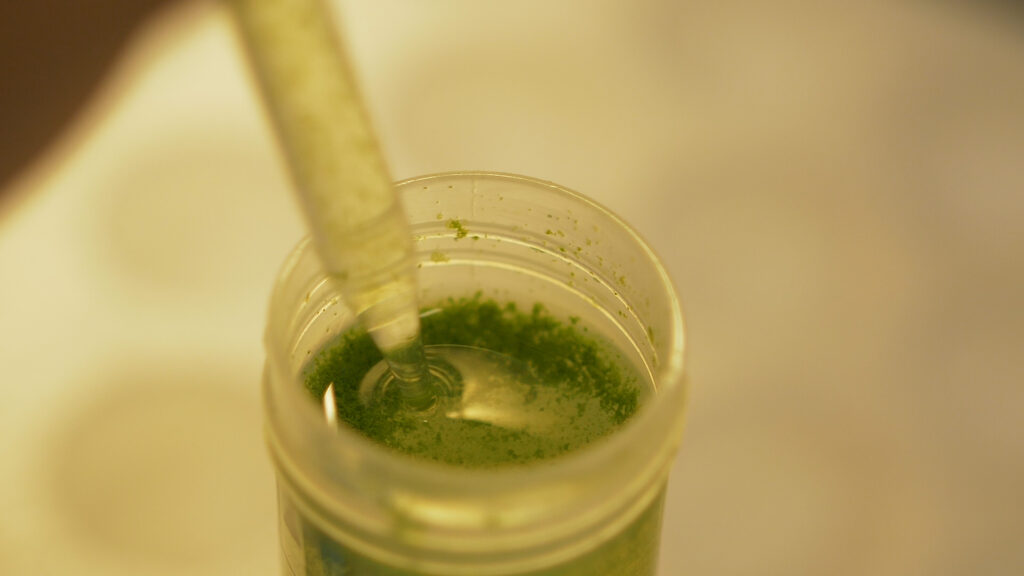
586,388
579,391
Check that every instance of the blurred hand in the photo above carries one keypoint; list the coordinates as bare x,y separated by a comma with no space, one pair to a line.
53,55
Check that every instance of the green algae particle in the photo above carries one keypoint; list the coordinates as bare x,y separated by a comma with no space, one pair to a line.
438,256
460,230
577,378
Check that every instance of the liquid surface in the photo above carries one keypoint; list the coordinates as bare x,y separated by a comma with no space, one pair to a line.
574,390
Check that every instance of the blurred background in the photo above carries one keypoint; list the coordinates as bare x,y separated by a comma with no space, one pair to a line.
836,187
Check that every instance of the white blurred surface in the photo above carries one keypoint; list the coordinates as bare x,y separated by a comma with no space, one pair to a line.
838,192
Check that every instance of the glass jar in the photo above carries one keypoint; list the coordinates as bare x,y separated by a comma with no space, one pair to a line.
350,506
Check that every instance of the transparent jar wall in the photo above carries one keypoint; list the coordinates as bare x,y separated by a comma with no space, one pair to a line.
306,550
349,507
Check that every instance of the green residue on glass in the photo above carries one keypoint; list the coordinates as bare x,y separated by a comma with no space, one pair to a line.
438,256
576,383
460,230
